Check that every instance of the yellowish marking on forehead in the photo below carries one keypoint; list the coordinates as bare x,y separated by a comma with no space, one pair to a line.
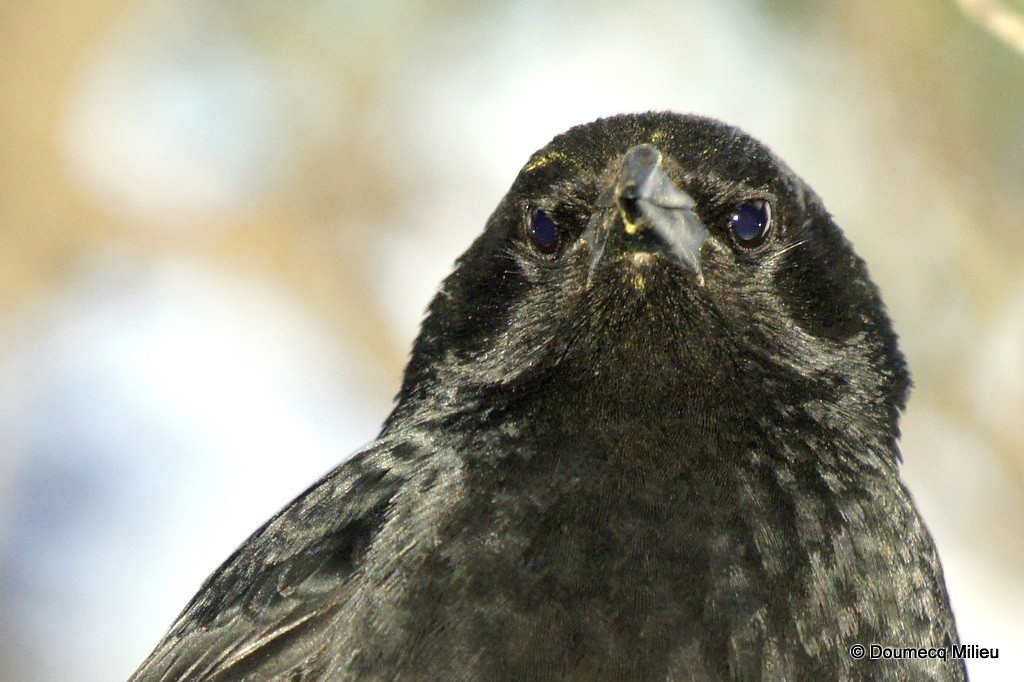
545,160
658,137
639,282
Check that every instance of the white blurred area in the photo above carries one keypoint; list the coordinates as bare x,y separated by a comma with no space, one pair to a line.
221,222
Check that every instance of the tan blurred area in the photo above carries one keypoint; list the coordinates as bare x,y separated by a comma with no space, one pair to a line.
50,224
285,183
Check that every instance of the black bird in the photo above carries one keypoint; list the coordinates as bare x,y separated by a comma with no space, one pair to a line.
648,431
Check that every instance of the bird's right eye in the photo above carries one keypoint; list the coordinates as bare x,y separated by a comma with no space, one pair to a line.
544,231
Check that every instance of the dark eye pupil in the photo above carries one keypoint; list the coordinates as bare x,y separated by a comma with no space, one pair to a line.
543,231
751,221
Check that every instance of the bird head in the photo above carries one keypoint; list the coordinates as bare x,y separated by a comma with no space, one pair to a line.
659,262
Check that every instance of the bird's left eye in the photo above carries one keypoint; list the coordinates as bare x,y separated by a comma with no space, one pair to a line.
544,232
751,222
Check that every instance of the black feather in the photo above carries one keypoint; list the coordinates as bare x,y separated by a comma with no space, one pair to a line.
607,467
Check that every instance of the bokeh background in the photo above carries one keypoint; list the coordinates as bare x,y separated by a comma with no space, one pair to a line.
220,223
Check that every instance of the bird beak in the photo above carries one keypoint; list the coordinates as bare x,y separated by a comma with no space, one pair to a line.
650,208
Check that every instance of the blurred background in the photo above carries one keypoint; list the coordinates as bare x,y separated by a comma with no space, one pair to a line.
220,224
